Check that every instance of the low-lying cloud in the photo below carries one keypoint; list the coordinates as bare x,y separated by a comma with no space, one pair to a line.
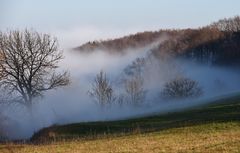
72,103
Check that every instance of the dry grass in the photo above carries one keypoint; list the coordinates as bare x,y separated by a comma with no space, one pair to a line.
212,137
213,128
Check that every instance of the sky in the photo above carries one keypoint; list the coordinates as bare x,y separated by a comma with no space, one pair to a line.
78,21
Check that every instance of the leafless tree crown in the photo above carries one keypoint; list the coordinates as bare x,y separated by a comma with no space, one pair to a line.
135,90
181,88
27,65
133,82
102,91
228,24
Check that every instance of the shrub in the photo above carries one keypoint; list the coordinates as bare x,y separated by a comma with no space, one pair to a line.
181,88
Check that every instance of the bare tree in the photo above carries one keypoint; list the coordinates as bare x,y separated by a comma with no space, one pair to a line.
133,82
135,90
102,91
228,24
28,65
136,67
181,88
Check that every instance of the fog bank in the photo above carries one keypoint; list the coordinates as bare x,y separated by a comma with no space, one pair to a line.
72,103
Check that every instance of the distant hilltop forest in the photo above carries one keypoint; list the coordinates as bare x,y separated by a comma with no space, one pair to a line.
217,43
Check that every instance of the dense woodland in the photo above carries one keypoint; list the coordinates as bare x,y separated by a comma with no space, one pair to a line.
217,43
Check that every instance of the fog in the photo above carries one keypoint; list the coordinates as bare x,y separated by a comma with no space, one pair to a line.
72,104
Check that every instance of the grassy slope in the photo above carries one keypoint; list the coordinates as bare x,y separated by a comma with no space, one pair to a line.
211,128
219,111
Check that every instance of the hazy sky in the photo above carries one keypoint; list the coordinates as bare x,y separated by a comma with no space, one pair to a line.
95,19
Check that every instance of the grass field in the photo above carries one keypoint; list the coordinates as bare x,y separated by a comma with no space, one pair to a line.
211,128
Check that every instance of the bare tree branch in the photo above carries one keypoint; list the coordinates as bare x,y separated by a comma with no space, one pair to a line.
181,88
27,64
102,91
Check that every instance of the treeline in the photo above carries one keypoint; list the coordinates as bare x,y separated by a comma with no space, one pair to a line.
217,43
121,44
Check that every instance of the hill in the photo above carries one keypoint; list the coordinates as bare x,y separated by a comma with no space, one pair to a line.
217,43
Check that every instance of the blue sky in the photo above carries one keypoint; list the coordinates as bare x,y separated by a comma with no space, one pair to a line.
119,13
122,16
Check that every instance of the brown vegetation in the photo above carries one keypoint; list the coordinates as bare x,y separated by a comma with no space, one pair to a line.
218,43
121,44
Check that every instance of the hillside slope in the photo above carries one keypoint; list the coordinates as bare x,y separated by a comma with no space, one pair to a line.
217,43
226,110
212,128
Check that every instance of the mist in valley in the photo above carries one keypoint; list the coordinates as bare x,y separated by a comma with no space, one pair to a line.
72,104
